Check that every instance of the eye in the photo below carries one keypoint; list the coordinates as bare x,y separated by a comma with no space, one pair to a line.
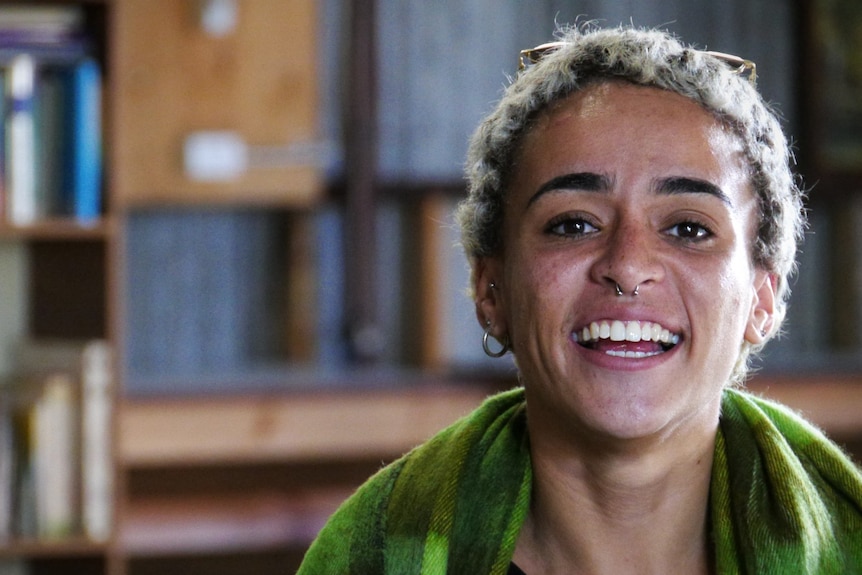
690,231
572,226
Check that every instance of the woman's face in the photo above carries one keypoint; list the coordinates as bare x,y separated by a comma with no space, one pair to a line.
640,187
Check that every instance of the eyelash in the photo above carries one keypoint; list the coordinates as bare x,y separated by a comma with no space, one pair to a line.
569,219
702,231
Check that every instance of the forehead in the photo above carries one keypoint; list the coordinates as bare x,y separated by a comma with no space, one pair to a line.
617,128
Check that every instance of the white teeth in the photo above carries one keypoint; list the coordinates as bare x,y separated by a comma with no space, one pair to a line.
632,331
618,331
604,330
632,354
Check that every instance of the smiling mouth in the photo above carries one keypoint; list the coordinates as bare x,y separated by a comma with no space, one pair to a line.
629,339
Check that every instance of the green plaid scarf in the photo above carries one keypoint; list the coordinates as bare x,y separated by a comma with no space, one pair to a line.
784,499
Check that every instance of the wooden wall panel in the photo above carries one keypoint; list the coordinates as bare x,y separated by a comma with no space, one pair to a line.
170,78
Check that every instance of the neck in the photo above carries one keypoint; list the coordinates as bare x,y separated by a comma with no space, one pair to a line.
640,509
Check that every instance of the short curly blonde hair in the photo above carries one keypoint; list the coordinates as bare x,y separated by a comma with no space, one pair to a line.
648,57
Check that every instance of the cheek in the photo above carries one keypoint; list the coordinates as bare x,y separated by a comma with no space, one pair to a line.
539,288
732,294
540,276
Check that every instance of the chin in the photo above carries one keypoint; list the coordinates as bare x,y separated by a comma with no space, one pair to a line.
632,412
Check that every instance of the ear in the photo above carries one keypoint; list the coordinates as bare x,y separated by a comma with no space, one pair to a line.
761,319
487,290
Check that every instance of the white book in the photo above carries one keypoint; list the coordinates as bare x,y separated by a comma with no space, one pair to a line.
97,470
21,203
89,363
55,458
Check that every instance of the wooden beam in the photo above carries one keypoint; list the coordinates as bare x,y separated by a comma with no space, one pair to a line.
833,403
284,428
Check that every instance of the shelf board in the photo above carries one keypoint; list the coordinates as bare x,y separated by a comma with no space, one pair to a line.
250,522
353,424
66,229
297,426
39,548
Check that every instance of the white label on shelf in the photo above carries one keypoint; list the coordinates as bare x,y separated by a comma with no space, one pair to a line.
215,156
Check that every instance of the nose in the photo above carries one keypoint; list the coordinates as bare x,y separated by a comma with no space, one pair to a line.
629,262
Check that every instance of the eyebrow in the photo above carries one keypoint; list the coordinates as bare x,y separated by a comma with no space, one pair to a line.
682,185
583,181
592,182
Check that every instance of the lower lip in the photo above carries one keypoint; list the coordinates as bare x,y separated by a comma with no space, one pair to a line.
614,362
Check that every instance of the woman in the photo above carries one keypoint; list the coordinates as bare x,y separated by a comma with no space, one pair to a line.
631,226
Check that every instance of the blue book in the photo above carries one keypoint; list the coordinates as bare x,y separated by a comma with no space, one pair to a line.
83,187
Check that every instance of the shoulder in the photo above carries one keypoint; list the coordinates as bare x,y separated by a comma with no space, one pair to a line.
782,474
767,420
777,430
351,540
401,497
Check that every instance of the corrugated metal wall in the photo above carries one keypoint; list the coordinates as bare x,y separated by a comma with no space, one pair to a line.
444,62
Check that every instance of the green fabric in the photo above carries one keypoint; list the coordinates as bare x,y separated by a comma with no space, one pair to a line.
784,499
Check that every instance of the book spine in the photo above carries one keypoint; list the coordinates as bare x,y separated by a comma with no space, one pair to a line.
55,458
50,139
84,151
97,471
21,205
7,469
24,500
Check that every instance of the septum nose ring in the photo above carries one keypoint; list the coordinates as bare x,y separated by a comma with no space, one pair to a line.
619,290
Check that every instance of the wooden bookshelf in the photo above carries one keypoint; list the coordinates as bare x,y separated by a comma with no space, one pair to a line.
65,273
58,229
164,78
262,473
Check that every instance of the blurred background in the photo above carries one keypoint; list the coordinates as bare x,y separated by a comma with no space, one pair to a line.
437,69
271,275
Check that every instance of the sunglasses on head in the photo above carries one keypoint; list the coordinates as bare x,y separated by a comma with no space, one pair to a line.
527,58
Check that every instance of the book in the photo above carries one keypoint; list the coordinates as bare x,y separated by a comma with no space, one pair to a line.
54,456
44,458
52,120
7,468
49,117
53,141
83,142
39,26
45,19
66,474
21,204
97,471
